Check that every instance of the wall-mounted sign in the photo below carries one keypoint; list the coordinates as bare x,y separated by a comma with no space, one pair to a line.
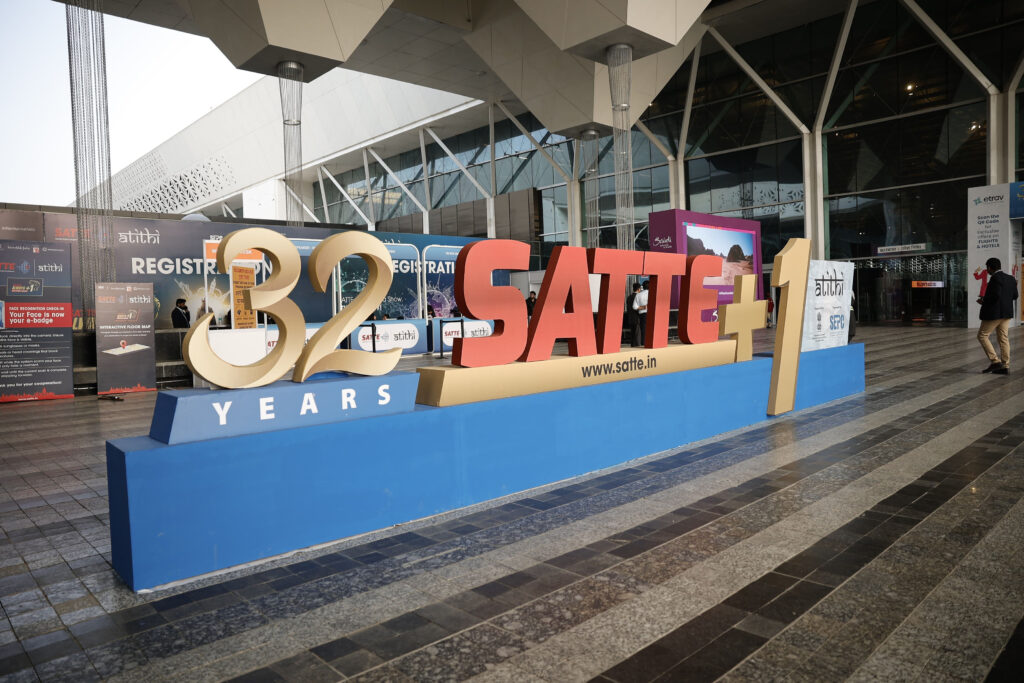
927,284
901,248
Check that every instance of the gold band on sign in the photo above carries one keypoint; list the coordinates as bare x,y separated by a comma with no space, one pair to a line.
449,386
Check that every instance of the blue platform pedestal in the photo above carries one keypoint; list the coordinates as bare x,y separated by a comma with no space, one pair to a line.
182,510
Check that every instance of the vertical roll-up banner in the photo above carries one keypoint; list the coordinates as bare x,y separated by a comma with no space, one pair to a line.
125,355
827,306
990,233
35,321
242,278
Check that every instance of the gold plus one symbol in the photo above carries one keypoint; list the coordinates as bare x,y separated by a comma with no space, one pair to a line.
740,318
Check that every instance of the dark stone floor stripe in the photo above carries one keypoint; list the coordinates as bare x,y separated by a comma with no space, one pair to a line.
708,646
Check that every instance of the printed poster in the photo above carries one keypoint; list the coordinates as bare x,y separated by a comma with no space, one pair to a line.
35,321
242,279
125,343
990,233
827,306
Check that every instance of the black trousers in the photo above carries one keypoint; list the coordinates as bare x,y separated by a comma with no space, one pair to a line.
640,332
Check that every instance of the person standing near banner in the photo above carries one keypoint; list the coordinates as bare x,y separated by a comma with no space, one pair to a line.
640,306
180,317
996,313
632,317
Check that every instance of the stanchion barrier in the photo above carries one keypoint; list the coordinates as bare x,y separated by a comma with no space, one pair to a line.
373,335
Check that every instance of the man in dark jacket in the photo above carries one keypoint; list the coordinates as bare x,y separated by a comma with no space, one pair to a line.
996,313
180,317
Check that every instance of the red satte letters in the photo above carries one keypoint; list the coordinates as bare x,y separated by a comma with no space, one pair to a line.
563,308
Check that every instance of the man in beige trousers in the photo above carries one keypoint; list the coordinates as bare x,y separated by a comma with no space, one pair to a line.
996,313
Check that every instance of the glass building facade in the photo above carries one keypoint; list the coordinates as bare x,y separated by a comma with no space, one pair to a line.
905,134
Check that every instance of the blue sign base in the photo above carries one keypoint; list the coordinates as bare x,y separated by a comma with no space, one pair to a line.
178,511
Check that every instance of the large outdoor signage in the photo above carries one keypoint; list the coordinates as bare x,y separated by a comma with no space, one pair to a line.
35,321
563,311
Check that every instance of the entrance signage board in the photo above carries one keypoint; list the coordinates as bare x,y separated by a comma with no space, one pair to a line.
295,450
35,321
901,248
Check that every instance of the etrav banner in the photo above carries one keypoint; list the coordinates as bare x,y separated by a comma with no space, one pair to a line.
35,321
125,348
993,231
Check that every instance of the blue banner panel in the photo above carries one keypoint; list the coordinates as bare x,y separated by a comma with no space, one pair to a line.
1016,201
178,511
199,414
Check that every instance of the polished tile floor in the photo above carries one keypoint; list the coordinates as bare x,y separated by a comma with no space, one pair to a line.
878,537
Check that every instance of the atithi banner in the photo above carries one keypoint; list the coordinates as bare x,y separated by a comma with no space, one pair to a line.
827,306
125,344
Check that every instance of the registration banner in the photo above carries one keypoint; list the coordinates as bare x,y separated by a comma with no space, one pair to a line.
827,306
35,321
242,278
125,344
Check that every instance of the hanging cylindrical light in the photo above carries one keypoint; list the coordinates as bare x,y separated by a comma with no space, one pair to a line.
289,76
87,68
620,59
591,188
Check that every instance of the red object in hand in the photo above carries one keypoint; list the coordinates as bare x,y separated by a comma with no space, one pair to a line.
124,344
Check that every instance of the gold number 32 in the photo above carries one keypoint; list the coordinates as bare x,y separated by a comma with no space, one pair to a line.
320,354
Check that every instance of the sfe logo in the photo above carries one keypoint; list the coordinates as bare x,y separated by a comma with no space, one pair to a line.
563,309
837,322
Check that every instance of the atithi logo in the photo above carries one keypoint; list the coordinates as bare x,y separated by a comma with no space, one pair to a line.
139,236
